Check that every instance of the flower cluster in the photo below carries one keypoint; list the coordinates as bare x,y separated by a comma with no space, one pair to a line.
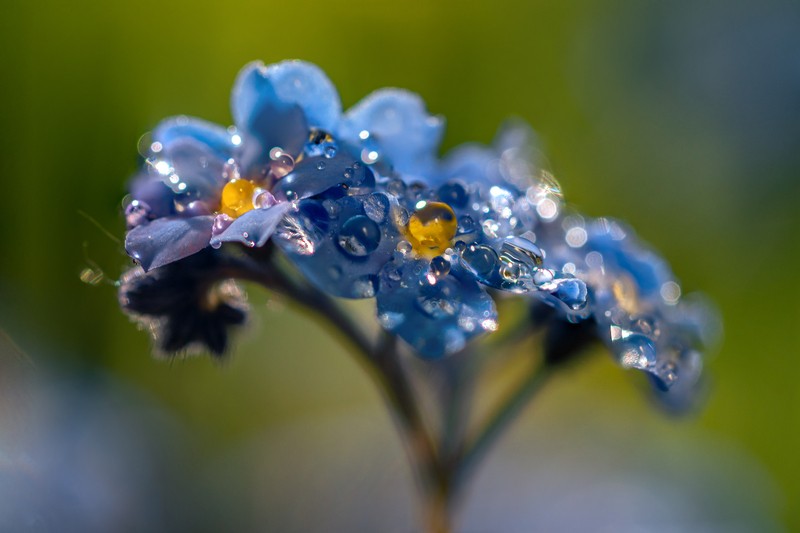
362,206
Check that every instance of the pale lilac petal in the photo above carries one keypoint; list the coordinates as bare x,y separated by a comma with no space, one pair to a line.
165,240
253,228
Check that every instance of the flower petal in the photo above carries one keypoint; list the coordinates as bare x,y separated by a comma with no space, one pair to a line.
165,240
213,136
275,106
438,318
400,130
253,228
315,175
341,244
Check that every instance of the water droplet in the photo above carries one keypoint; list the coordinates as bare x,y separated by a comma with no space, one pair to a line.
543,276
359,236
330,150
501,201
670,292
571,291
439,300
263,199
320,165
332,208
364,287
404,247
136,213
439,267
237,197
431,228
391,320
466,224
636,351
453,193
396,187
369,156
576,237
480,259
220,224
376,206
281,164
490,228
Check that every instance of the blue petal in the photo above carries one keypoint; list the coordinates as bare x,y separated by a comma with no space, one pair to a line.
253,228
399,128
307,86
197,171
314,175
435,319
341,244
154,193
276,105
214,137
165,240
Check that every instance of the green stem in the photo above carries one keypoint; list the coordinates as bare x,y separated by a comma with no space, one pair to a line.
381,358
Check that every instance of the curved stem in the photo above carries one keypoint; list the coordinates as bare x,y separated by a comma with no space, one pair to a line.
382,360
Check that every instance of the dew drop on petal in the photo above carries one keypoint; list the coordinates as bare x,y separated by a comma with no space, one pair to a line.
136,213
365,286
404,247
439,267
359,236
479,258
237,197
431,228
263,199
376,206
453,193
281,164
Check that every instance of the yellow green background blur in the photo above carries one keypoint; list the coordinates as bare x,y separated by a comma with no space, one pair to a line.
681,117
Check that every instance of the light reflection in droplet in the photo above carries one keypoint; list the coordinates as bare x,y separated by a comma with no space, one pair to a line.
576,237
162,167
670,292
547,209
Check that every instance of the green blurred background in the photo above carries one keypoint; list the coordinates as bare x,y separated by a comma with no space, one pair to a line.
681,117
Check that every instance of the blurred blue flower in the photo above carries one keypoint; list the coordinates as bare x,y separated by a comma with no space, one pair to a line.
185,305
636,302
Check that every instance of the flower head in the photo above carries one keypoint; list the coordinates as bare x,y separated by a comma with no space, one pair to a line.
360,203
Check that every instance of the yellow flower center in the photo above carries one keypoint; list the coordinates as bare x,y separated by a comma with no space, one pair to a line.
431,228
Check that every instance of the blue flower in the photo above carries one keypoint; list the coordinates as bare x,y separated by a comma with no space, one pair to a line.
635,301
204,184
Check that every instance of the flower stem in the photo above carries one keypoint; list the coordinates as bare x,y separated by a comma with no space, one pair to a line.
381,358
